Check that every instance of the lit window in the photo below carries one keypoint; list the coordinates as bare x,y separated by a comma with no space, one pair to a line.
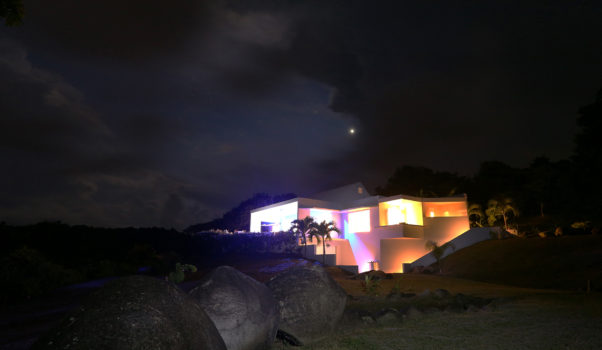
320,215
359,221
395,216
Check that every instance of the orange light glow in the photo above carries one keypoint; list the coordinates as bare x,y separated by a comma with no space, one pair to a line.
398,251
437,209
400,211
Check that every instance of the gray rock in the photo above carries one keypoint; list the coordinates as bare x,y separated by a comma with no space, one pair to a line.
454,308
135,313
388,316
397,296
425,293
432,310
462,300
311,302
243,309
412,313
376,275
367,319
441,293
490,307
472,308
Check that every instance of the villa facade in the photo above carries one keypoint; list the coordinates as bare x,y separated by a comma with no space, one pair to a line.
376,231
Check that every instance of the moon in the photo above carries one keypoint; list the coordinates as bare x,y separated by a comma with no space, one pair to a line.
351,131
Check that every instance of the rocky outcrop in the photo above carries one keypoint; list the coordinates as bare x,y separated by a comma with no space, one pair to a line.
135,313
311,303
243,309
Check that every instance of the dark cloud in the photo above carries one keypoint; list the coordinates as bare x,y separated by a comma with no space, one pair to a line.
154,113
449,84
135,29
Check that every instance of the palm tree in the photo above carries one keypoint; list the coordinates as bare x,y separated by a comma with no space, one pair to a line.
476,215
322,233
439,250
503,208
302,229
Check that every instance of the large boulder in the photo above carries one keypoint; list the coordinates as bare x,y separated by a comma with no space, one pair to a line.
135,313
311,302
243,309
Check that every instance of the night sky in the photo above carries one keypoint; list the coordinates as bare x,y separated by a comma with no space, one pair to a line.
169,113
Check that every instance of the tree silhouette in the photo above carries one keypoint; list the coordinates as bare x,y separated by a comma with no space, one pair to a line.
302,229
476,215
422,182
12,11
322,232
503,208
588,158
438,251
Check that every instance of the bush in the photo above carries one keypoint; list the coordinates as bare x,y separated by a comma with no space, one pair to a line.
371,285
179,274
247,243
27,273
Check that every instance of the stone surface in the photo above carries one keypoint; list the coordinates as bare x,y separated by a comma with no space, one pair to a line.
413,313
133,313
388,317
311,302
367,319
425,293
375,275
243,309
441,293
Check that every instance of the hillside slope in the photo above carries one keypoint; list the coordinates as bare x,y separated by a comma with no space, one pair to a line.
561,263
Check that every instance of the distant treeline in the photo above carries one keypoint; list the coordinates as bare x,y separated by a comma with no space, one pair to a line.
544,188
35,259
567,190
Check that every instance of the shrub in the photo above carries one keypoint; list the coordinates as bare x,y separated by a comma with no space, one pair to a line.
371,285
179,274
27,273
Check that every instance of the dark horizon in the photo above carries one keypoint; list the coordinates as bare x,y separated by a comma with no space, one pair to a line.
156,116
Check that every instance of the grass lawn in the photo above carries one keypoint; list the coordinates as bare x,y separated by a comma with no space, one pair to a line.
532,322
523,319
566,262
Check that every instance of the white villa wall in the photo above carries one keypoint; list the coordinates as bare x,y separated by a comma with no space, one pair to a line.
394,252
390,245
282,214
444,229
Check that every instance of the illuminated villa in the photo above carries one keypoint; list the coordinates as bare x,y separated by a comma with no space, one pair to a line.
376,232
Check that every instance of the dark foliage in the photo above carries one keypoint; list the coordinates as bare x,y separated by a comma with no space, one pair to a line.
565,190
422,182
239,218
39,258
26,273
12,11
588,157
